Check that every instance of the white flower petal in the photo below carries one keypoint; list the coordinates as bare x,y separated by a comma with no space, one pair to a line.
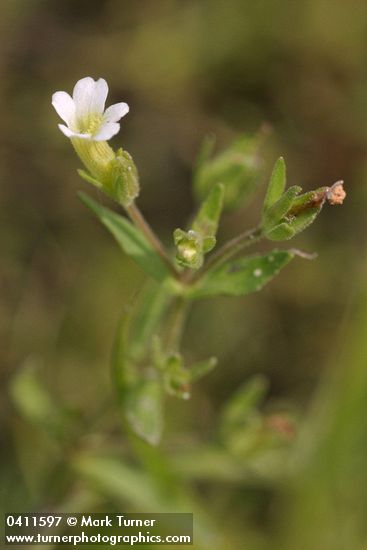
107,131
115,112
70,134
99,96
64,106
83,96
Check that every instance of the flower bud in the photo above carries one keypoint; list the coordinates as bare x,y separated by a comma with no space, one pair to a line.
189,246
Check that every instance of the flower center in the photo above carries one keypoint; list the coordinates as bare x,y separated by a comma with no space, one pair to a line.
91,124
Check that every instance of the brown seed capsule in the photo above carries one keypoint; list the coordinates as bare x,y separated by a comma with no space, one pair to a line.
336,193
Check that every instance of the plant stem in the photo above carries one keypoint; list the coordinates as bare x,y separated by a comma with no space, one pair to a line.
137,217
229,249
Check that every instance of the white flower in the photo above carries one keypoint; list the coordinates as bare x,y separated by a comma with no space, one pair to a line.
84,113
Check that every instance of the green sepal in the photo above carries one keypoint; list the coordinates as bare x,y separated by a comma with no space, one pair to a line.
304,219
276,185
240,277
273,215
176,377
90,179
130,239
124,179
281,232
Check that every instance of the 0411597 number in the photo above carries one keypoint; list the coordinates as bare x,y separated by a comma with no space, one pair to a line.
32,521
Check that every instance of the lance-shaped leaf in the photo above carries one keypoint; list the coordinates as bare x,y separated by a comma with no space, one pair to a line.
201,368
139,394
207,220
150,308
130,239
144,409
276,185
238,168
243,403
35,403
243,276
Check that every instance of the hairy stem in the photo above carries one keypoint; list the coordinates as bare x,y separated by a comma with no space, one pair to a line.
137,217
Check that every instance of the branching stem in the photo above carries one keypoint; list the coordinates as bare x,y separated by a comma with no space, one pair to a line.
137,217
229,249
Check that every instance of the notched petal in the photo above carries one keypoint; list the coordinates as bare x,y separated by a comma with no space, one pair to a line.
116,112
107,131
64,106
83,95
99,96
70,134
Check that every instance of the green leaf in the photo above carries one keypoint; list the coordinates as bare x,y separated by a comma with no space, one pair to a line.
206,150
144,409
201,368
242,276
280,208
238,168
207,220
140,397
276,185
243,404
118,480
152,303
129,238
31,397
36,404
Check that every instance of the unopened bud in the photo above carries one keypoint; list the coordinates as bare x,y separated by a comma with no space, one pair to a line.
189,246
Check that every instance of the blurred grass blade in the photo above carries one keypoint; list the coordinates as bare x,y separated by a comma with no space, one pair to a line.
242,276
129,238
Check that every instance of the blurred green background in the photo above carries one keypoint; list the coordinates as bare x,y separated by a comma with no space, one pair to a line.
186,69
